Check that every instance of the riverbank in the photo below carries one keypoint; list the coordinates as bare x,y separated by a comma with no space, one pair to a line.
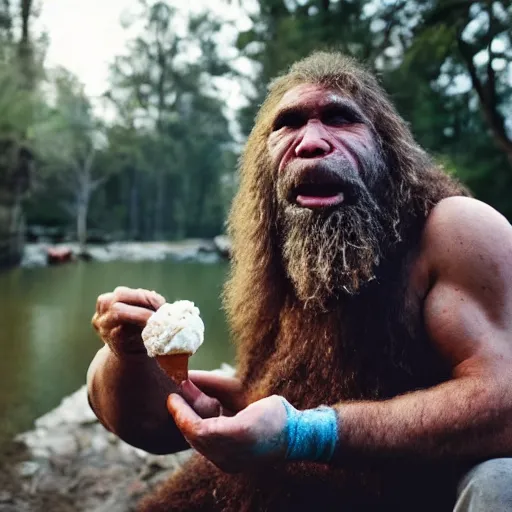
202,250
70,463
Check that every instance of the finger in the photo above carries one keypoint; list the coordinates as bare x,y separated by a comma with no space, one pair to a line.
103,302
159,300
121,313
186,419
204,405
228,390
96,320
138,297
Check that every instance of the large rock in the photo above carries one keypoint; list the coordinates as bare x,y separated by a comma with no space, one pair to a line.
223,245
71,463
37,254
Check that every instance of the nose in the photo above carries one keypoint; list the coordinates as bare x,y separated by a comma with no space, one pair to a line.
314,142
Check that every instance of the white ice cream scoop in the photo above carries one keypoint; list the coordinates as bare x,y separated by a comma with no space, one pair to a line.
172,334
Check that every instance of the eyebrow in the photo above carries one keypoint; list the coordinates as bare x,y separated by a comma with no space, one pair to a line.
346,104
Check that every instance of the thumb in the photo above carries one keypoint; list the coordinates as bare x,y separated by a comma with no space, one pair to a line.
228,390
204,405
185,417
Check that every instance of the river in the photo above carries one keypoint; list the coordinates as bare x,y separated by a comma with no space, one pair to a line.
46,338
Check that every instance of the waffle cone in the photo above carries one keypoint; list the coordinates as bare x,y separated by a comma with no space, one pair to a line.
175,366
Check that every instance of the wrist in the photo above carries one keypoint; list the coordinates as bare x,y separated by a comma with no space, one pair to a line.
311,435
123,354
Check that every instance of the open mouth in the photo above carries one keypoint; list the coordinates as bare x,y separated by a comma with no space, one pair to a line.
318,195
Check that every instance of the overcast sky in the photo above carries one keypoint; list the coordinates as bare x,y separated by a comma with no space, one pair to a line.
86,35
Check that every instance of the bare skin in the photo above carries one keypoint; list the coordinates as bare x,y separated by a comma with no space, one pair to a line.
128,390
459,281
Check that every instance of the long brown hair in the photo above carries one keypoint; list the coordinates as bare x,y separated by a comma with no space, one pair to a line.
258,289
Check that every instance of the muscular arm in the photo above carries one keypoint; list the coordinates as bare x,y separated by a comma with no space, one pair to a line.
468,314
128,394
466,267
127,390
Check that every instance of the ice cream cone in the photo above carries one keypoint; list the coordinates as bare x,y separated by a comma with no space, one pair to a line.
175,366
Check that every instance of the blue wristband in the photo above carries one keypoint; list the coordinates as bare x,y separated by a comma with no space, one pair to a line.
312,434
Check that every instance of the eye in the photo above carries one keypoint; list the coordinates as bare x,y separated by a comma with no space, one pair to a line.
288,120
339,116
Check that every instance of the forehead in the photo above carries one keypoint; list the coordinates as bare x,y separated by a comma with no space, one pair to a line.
313,95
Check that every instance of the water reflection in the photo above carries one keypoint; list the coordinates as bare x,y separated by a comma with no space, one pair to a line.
46,336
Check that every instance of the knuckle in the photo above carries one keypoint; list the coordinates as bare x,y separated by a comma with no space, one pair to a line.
145,295
120,290
214,405
103,297
103,301
114,317
151,299
201,432
115,308
95,321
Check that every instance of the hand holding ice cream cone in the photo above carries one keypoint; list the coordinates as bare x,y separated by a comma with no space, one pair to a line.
172,334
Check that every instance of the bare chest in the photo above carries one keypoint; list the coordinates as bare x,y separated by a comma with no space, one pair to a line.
372,346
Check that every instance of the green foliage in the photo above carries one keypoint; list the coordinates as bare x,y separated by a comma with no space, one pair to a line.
63,131
16,103
447,86
171,134
445,63
165,164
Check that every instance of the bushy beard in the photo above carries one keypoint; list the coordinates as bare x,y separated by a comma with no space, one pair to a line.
334,252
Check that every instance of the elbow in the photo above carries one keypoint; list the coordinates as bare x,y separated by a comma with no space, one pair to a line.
95,410
94,397
157,442
160,450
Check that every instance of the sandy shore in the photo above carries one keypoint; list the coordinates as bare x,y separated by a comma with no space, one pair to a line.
205,251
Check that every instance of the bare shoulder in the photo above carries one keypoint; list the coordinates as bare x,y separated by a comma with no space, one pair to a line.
466,257
462,212
464,237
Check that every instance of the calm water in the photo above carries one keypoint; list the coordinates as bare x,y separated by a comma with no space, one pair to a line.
46,338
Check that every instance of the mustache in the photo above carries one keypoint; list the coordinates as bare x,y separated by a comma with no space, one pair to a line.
337,173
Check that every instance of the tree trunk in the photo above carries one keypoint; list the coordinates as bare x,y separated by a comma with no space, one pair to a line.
158,226
25,49
82,209
7,20
486,87
134,207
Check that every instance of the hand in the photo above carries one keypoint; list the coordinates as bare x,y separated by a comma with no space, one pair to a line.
254,436
121,315
212,395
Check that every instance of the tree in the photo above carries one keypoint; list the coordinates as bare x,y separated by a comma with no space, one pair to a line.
67,138
163,90
461,45
285,31
445,63
19,72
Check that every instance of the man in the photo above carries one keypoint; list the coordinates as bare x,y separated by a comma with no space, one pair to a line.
369,300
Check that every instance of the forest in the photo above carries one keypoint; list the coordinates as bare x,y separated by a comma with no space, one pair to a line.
162,164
